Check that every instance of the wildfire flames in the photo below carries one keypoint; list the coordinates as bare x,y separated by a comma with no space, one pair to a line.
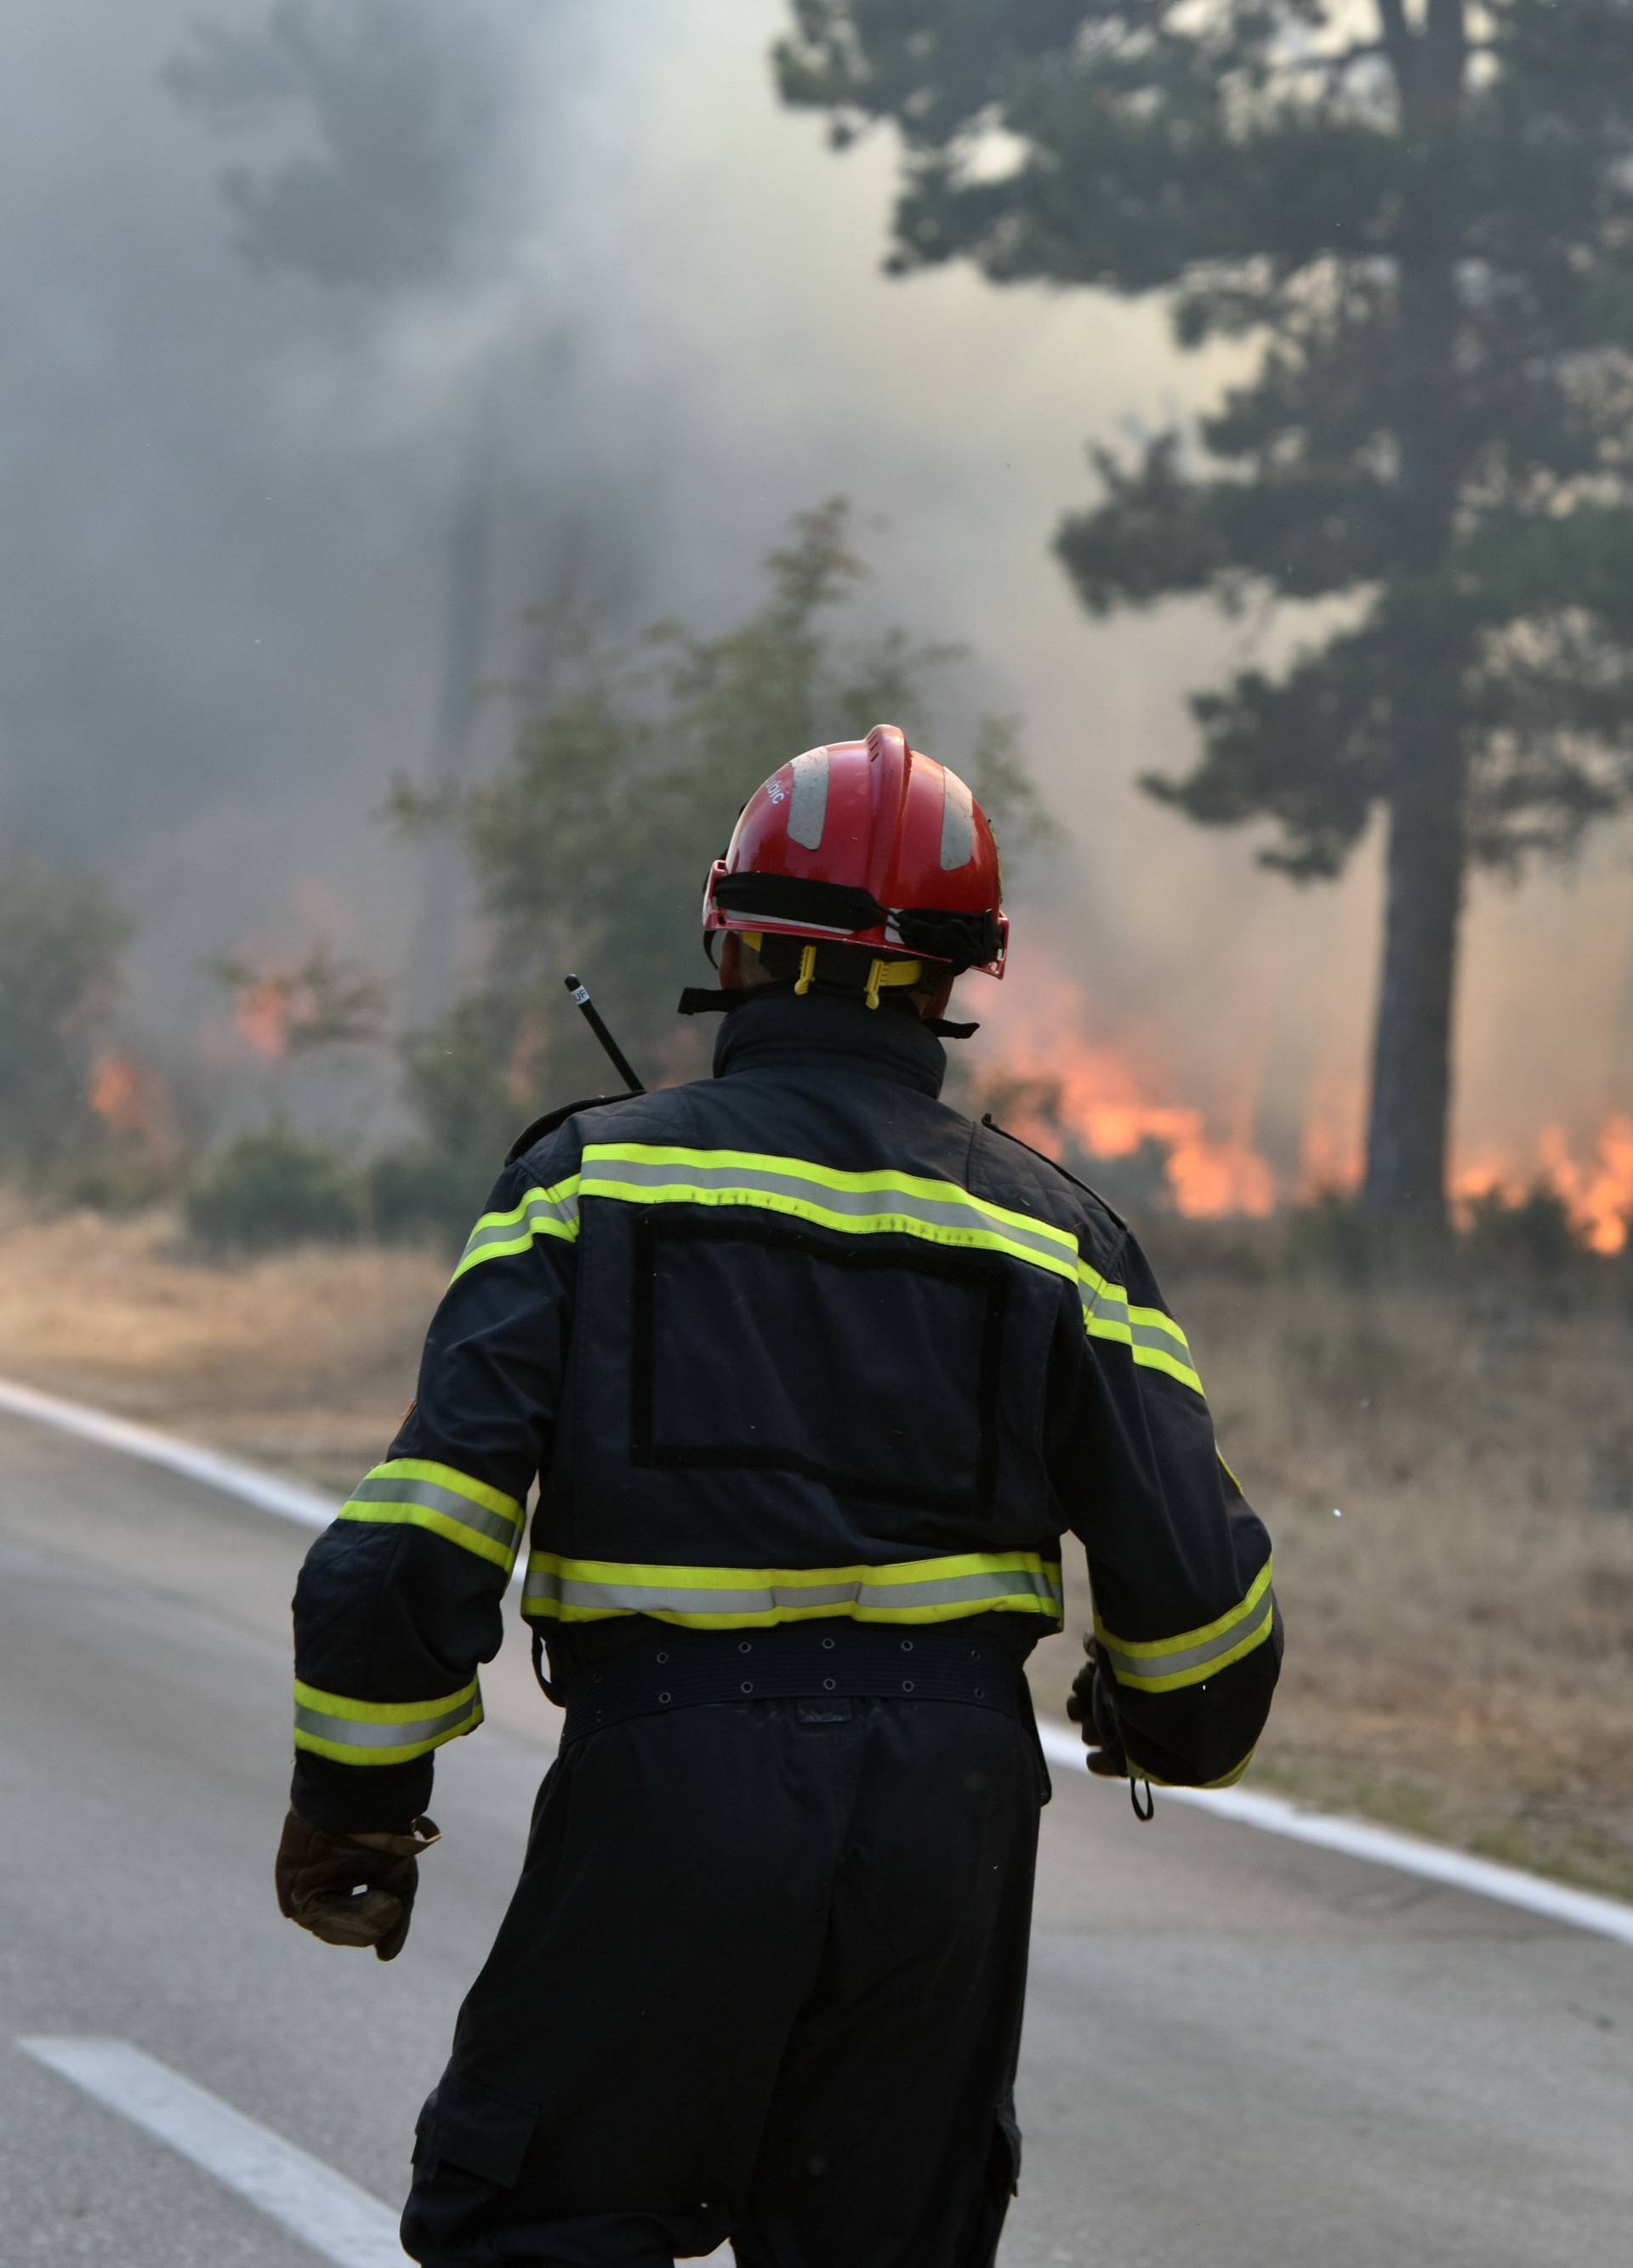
266,1011
1096,1097
1054,1085
1596,1189
1065,1094
133,1103
1059,1092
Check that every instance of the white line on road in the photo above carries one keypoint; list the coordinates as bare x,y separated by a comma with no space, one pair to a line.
320,2206
1578,1908
287,1498
1357,1839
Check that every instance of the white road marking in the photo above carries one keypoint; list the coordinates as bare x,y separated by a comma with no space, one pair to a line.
1358,1839
322,2208
1331,1830
265,1490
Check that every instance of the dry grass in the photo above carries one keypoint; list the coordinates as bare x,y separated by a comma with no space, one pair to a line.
304,1361
1460,1641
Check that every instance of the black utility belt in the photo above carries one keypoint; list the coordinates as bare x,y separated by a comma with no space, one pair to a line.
667,1669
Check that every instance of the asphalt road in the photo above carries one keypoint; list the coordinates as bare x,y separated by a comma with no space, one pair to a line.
1240,2052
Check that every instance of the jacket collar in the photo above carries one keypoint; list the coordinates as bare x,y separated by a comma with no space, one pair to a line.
772,1030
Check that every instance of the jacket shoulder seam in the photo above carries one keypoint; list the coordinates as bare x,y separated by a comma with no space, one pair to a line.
546,1125
1066,1175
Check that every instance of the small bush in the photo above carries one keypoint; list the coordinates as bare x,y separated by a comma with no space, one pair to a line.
117,1185
1534,1237
1333,1237
424,1196
272,1187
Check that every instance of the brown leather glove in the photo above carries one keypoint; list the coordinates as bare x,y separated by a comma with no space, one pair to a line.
352,1889
1093,1705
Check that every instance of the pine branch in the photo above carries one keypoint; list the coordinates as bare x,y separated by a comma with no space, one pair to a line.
1342,59
1397,40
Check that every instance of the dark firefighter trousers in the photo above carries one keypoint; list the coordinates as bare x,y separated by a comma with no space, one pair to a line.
761,1979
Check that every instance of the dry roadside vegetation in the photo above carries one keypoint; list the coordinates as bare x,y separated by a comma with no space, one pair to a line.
302,1360
1460,1640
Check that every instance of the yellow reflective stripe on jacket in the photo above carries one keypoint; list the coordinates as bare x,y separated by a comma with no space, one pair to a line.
1164,1664
1137,1771
381,1732
1154,1339
541,1213
730,1598
415,1493
880,1202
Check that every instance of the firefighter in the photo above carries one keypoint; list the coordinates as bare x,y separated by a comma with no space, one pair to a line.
813,1374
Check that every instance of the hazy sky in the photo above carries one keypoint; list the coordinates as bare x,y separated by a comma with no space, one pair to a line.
227,502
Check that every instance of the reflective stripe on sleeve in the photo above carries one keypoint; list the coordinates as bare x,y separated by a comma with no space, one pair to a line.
1154,1339
1163,1664
413,1492
859,1204
728,1598
381,1732
1137,1771
542,1213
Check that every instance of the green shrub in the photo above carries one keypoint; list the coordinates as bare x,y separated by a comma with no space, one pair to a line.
1333,1236
272,1187
116,1184
425,1196
1534,1237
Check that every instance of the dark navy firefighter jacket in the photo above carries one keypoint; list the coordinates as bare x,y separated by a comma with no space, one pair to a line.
795,1344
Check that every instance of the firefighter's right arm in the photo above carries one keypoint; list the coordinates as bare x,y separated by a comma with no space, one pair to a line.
400,1599
1187,1630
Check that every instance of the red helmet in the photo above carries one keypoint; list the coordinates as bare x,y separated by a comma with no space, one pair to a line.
867,843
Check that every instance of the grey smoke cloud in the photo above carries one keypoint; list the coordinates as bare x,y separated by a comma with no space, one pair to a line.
227,501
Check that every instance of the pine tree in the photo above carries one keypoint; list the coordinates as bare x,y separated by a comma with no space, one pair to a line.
1421,214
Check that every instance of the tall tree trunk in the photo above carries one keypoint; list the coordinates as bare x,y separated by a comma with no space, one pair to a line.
1411,1093
428,974
1428,651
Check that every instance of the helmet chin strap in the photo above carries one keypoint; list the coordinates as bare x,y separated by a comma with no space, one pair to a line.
884,971
712,1000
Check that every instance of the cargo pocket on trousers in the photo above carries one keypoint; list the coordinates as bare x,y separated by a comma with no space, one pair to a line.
464,2126
1003,2182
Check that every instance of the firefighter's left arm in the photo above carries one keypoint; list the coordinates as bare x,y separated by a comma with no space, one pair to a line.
1188,1631
400,1599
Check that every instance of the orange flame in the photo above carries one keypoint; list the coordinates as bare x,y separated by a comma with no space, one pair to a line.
1330,1155
1057,1089
264,1012
133,1103
1595,1186
1095,1097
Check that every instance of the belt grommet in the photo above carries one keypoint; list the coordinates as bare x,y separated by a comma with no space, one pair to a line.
663,1699
827,1646
663,1657
743,1646
906,1685
980,1693
747,1686
906,1646
828,1684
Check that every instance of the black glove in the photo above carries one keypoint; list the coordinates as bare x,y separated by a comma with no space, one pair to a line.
1093,1705
352,1889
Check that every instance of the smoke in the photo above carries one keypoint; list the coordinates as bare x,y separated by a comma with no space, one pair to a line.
648,325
